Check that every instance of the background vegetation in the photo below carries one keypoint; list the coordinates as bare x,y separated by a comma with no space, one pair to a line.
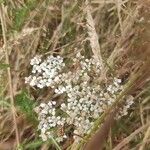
117,31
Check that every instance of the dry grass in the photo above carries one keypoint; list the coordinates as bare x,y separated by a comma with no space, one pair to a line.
116,32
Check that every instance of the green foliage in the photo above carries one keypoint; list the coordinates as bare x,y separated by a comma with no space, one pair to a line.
33,145
20,16
26,106
4,66
2,1
22,13
55,144
68,27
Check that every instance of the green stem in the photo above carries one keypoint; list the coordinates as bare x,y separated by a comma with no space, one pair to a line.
56,144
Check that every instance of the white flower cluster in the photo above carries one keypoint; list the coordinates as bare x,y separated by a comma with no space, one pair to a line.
44,73
47,114
87,64
124,111
84,100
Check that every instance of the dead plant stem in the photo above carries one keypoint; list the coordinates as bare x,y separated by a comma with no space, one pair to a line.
9,74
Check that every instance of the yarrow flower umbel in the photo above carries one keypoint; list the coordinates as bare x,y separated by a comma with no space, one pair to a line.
83,99
44,73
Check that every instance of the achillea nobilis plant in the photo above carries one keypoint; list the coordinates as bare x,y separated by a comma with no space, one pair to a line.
83,98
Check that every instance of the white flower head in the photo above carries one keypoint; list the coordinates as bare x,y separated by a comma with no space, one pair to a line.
84,100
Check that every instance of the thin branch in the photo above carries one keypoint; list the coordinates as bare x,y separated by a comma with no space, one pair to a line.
130,137
118,5
93,37
9,73
147,135
97,141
